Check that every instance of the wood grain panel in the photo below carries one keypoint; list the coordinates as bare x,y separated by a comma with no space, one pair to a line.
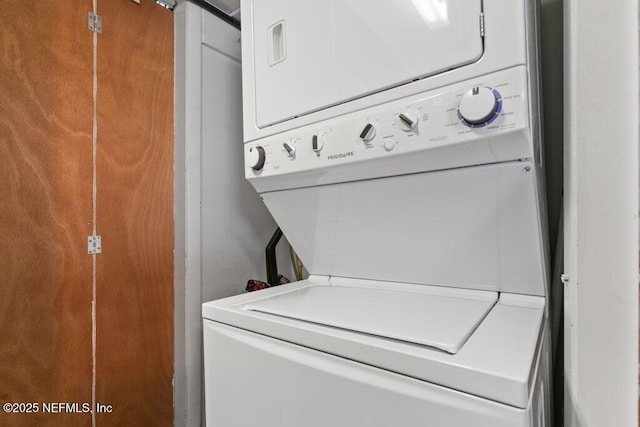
45,208
134,364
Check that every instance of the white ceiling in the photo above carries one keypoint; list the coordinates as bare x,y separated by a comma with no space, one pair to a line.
230,7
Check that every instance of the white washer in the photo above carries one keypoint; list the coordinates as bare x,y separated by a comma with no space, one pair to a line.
348,352
397,146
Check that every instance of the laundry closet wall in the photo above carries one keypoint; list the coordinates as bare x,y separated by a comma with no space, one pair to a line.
74,327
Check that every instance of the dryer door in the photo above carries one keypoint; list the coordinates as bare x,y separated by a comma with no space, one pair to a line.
309,55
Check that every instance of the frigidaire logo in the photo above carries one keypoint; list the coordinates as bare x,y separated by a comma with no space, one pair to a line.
340,156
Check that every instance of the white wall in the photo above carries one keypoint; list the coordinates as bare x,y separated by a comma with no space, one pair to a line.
235,224
222,226
601,213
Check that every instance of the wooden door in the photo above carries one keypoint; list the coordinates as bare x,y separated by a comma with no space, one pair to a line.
45,209
76,328
134,363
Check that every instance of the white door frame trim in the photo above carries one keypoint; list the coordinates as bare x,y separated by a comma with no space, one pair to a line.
601,213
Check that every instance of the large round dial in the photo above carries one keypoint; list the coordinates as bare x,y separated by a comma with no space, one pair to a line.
479,105
256,158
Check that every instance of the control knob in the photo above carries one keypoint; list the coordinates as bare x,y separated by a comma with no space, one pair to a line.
256,158
408,121
291,151
368,132
479,105
389,144
317,143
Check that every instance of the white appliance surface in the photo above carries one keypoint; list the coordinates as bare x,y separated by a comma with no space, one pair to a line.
417,208
359,47
438,140
433,316
253,380
474,228
496,362
396,49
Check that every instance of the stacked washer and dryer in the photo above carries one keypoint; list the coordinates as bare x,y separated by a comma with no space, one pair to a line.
397,145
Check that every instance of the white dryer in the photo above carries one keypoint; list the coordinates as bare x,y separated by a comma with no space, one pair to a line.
397,146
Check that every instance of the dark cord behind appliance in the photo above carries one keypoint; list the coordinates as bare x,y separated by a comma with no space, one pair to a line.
272,262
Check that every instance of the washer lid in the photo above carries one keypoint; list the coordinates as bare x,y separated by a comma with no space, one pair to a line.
437,317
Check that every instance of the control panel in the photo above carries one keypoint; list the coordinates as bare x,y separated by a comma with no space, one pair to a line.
457,116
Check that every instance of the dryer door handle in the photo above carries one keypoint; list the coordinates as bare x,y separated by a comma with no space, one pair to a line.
276,43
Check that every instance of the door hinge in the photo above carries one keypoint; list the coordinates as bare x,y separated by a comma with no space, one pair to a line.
95,23
564,278
481,24
94,245
167,4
